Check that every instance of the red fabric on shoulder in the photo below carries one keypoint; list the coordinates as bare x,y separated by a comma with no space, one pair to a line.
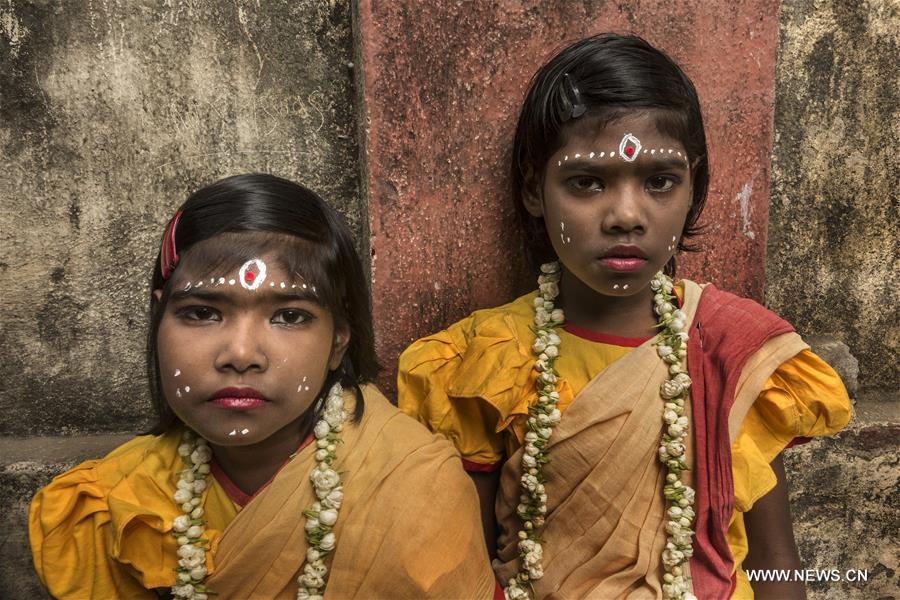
498,592
474,467
725,332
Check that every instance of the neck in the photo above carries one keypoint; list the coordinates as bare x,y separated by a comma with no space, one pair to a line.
624,316
251,467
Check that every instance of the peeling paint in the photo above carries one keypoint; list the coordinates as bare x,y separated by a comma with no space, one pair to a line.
743,199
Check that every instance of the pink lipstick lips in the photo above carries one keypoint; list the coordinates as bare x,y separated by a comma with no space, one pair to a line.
624,259
234,398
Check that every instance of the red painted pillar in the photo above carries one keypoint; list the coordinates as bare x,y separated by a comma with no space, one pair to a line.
442,83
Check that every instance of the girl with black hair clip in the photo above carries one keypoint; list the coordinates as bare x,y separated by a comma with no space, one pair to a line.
624,429
276,469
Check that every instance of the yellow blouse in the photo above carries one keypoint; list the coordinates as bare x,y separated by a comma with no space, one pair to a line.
112,507
474,379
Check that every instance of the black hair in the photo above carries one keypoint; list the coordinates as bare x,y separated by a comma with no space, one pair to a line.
307,237
612,75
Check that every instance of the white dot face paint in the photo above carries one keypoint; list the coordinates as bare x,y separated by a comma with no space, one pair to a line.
221,280
233,432
177,373
231,282
187,389
252,274
178,392
245,431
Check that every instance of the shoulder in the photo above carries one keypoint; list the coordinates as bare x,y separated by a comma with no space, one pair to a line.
98,476
508,322
86,512
397,434
726,311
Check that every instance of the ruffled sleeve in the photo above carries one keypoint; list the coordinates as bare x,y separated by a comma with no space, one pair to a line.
803,398
103,529
471,381
71,535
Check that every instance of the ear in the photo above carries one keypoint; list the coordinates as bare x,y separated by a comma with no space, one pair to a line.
339,345
532,195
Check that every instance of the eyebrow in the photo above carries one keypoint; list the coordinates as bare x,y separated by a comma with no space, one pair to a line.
645,163
275,295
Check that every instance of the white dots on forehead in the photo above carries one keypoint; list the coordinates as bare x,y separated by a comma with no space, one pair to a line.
630,148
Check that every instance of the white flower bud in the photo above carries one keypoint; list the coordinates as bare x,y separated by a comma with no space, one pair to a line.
181,523
322,429
327,542
194,531
328,517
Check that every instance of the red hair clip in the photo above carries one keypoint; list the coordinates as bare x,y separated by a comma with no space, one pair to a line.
168,255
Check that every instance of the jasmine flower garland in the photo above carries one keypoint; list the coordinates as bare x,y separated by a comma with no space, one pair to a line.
323,514
543,415
188,527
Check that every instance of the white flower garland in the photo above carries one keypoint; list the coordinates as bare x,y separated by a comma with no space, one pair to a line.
544,415
321,516
671,346
188,527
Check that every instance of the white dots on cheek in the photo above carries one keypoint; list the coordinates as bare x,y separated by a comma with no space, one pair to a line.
178,392
177,373
187,389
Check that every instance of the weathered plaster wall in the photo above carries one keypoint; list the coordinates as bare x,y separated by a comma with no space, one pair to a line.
833,263
111,114
443,82
845,502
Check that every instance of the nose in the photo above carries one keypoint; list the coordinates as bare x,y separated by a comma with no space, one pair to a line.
242,348
623,210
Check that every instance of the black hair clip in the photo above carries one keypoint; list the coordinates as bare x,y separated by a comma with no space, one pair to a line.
573,106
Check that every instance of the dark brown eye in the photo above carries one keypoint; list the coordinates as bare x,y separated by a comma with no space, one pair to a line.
584,183
660,183
199,313
291,316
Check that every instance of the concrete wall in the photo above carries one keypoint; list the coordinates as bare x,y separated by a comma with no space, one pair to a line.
833,262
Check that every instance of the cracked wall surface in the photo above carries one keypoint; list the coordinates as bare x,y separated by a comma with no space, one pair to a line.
833,261
111,114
